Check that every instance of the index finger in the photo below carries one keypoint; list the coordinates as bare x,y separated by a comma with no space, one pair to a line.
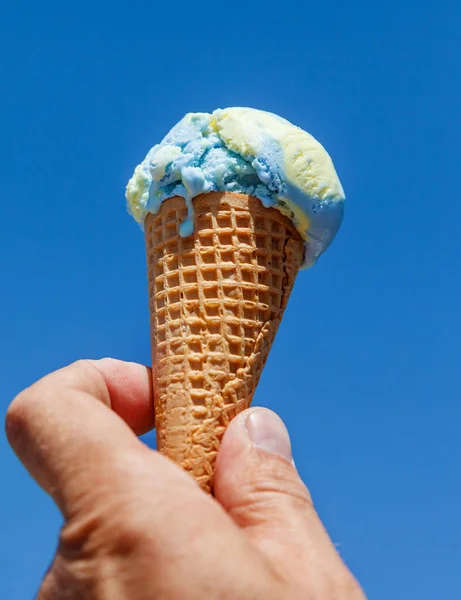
65,433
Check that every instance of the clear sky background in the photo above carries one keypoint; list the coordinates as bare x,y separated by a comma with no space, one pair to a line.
366,367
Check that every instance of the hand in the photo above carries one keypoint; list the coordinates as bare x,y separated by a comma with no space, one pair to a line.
137,527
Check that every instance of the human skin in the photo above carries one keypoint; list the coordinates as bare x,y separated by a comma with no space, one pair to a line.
136,527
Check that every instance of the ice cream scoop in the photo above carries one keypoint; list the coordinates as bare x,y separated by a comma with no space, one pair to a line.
233,204
248,151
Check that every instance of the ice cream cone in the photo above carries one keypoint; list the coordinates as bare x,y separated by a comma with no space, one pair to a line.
216,299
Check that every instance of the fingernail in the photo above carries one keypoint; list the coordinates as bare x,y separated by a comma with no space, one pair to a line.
267,431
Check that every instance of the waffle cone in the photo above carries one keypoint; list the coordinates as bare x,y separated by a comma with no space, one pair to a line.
216,299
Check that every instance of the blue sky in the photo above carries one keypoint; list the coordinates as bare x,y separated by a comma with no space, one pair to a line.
365,368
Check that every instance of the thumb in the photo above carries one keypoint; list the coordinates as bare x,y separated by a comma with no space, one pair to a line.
258,485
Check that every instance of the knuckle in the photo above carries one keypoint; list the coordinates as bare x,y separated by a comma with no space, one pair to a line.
85,370
18,415
277,479
86,366
273,489
30,401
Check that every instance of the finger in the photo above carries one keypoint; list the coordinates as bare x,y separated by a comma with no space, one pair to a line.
64,432
257,483
129,386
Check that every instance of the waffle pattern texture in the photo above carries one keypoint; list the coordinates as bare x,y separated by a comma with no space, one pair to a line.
216,299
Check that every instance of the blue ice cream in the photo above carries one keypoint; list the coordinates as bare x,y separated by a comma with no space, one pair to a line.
246,151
